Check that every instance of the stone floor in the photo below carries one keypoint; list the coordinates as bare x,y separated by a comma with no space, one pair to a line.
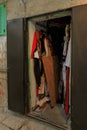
9,121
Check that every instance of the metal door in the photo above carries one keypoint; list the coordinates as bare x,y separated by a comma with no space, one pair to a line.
16,65
79,68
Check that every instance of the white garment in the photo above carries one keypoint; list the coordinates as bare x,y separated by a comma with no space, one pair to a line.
64,49
36,55
68,57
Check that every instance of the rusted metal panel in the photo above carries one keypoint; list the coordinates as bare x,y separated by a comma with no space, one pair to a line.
15,63
79,68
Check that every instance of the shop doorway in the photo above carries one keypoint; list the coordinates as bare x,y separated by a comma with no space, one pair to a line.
50,70
18,82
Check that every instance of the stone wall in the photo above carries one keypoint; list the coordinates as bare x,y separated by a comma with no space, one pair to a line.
28,8
3,74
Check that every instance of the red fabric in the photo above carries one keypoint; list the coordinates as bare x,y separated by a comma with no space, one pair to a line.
34,45
35,42
67,91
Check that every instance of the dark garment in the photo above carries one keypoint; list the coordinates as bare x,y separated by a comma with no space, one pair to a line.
42,44
61,93
37,71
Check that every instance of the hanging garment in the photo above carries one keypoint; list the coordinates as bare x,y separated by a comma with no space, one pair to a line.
68,67
64,77
35,42
68,57
36,55
51,77
65,47
63,64
61,92
37,71
67,91
70,91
